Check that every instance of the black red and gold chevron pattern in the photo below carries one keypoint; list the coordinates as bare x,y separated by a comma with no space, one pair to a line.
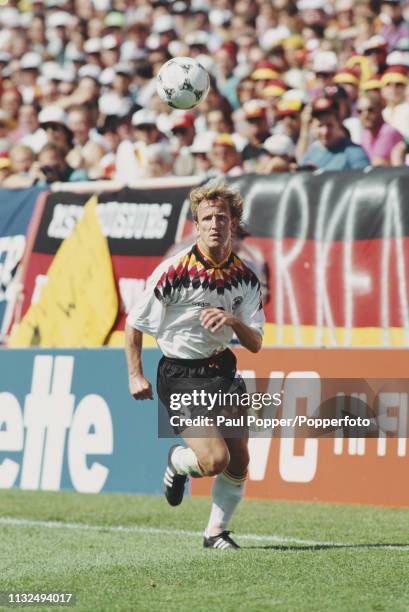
196,270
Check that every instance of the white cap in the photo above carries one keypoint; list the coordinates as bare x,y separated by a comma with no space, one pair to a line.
10,17
312,5
93,45
124,68
51,71
143,117
102,5
130,52
111,104
206,61
52,114
273,37
67,74
56,3
164,23
203,142
5,57
296,94
219,17
107,76
110,41
178,48
398,58
372,43
279,144
201,5
30,61
89,70
152,42
325,61
197,37
60,19
72,54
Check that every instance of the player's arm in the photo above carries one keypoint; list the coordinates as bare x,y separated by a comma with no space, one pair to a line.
214,319
139,386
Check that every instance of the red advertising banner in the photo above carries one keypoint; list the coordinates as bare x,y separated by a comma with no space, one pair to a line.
345,470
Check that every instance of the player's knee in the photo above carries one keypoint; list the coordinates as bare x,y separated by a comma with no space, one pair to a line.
239,461
215,463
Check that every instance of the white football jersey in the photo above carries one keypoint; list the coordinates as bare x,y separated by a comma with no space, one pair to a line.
182,286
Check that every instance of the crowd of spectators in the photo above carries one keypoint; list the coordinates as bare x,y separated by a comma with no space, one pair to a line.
306,84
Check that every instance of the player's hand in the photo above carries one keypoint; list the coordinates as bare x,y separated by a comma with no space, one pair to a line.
140,387
214,319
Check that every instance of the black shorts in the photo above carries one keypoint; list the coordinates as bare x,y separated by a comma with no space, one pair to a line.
213,375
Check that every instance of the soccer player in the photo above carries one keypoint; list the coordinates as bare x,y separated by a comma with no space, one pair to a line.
193,304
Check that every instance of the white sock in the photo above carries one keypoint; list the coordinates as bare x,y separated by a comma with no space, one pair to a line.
185,461
226,493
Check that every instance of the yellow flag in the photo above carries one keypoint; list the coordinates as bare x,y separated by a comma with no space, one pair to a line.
78,305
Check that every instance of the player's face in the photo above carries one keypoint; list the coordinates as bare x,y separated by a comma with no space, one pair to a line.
214,225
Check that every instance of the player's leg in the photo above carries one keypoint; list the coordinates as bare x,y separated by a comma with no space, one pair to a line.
228,487
206,454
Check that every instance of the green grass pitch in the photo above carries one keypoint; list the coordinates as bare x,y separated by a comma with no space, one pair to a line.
294,556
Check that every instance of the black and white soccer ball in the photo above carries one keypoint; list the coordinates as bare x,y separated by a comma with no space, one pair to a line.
182,83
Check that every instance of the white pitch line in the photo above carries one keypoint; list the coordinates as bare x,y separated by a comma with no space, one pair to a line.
16,522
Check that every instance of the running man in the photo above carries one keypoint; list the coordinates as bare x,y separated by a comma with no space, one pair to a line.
193,304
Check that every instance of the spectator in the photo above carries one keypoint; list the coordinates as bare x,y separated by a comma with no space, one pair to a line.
200,149
5,168
352,125
383,144
225,158
333,150
130,158
53,121
22,158
255,114
394,26
52,167
396,112
324,67
112,138
278,155
159,160
288,117
7,124
11,101
27,124
226,76
183,131
95,59
86,153
375,51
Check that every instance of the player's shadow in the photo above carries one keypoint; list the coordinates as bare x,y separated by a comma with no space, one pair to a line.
316,547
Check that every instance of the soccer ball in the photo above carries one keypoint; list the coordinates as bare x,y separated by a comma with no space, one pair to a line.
182,83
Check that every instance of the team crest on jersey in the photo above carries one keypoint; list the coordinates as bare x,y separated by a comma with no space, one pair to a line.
195,270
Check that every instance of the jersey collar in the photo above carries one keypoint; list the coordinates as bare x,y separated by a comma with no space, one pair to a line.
208,262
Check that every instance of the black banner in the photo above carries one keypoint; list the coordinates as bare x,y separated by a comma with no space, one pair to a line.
136,222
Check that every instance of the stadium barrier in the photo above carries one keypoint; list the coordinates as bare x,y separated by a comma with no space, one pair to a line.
331,249
67,421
